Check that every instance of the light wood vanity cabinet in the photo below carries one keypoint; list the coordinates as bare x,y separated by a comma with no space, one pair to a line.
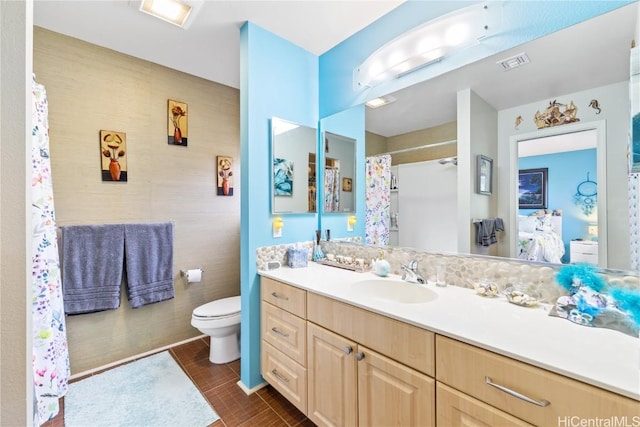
346,366
535,395
284,340
352,384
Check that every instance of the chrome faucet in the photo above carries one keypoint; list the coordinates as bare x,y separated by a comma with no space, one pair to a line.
411,273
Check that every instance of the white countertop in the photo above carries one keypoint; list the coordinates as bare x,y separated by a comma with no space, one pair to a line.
602,357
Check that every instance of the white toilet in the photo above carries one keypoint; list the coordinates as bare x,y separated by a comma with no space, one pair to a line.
220,320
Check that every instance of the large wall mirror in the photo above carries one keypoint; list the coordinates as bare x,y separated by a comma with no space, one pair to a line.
429,109
293,171
339,173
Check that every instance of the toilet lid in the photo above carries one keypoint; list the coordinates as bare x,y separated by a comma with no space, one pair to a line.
217,308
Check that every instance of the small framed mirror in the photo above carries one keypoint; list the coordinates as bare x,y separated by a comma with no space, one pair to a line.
293,168
339,173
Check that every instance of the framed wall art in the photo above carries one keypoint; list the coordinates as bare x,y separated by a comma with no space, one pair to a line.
113,150
177,123
484,174
225,175
532,188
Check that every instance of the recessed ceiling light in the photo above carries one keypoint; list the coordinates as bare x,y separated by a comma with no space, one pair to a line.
514,61
379,102
173,11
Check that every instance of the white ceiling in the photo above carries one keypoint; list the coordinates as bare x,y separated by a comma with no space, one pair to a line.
590,54
210,47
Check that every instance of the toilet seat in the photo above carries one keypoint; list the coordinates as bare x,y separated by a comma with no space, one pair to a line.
218,309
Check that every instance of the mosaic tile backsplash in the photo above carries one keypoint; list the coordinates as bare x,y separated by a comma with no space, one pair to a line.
461,270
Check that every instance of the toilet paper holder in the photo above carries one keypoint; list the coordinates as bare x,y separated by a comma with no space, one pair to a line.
184,273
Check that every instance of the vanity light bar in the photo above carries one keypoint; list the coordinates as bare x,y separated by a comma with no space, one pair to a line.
429,43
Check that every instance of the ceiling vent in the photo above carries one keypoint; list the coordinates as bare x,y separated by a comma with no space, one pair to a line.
514,61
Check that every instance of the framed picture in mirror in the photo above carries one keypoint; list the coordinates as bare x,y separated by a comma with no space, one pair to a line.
484,172
532,188
347,184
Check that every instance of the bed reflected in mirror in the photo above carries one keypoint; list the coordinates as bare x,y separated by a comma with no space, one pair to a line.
554,205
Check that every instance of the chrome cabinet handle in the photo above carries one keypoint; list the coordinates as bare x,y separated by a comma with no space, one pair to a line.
359,355
348,349
277,331
277,295
278,376
513,393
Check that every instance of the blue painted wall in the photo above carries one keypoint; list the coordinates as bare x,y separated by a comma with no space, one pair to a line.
566,171
277,79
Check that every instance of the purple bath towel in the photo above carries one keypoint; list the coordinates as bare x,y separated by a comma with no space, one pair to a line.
149,262
92,259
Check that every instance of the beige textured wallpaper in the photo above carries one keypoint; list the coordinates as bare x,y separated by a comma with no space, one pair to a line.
90,89
377,144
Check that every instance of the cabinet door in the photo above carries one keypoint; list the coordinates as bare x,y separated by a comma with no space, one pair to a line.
391,394
457,409
331,368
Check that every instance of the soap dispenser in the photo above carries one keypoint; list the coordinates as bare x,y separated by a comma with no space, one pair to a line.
317,250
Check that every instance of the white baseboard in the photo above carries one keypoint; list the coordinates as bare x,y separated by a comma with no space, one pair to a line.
250,391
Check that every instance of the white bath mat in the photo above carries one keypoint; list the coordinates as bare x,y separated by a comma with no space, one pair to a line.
153,391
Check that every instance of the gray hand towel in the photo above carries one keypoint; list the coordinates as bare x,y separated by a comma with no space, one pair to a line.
92,260
149,263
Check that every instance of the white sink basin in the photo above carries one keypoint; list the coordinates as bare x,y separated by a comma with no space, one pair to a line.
394,290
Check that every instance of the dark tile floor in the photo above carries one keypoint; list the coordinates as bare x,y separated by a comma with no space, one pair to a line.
217,383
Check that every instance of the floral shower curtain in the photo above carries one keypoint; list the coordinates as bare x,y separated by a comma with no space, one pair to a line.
51,368
634,219
331,190
378,194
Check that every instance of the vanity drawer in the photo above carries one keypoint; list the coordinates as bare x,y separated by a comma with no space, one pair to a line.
471,370
457,409
285,375
407,344
284,296
285,332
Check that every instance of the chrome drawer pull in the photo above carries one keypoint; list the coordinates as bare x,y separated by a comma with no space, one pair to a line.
542,403
359,355
282,334
348,349
278,376
277,295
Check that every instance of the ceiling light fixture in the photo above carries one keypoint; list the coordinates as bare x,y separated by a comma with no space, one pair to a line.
380,101
429,43
173,11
